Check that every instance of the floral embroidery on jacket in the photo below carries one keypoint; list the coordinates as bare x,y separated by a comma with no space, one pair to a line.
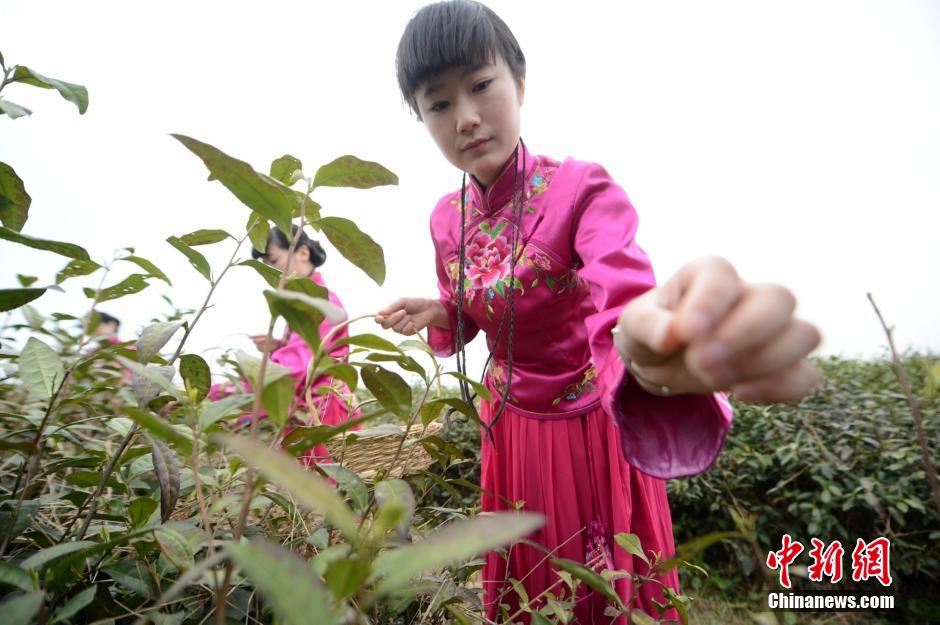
575,391
498,376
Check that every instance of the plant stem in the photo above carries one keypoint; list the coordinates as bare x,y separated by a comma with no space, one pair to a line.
6,75
37,448
31,464
93,500
929,469
256,410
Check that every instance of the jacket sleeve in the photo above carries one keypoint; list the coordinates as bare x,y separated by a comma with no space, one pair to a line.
666,437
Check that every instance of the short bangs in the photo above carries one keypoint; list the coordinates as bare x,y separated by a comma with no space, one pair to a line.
454,33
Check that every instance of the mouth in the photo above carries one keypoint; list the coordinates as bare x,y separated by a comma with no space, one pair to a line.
473,145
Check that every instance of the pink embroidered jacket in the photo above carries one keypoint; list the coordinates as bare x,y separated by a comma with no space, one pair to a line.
576,267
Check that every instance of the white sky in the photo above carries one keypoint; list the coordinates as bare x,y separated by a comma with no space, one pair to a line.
799,139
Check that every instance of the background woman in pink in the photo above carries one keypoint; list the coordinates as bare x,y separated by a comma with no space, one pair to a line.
604,383
292,351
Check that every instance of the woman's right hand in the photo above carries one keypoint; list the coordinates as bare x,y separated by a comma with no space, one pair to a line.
410,315
259,341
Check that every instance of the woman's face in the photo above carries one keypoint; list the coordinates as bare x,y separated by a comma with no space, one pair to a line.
473,115
277,257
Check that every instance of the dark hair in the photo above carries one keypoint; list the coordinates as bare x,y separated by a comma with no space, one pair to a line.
277,237
449,34
106,318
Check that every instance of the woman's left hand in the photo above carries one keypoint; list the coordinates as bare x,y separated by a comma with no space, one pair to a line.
707,330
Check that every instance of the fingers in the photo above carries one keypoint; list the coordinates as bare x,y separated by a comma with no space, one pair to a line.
645,330
708,288
760,315
787,386
395,306
392,319
406,327
796,340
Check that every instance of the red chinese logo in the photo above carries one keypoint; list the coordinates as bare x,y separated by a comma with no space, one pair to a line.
872,560
784,558
826,562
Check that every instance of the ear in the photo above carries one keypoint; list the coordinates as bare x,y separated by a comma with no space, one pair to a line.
303,253
520,89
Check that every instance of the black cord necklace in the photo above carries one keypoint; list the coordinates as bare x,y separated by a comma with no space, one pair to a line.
517,200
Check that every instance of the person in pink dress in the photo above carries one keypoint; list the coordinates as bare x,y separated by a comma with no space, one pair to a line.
603,383
332,408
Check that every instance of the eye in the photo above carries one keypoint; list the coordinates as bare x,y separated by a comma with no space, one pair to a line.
482,85
439,106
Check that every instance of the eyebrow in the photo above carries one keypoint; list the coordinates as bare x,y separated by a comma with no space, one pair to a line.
431,89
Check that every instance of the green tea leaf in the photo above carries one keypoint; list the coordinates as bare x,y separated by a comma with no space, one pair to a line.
233,405
350,171
133,283
287,169
205,237
195,374
287,582
397,492
355,245
76,94
40,368
75,605
369,341
271,275
592,579
175,547
303,438
389,389
13,109
276,399
395,568
148,380
26,281
69,250
349,482
260,193
258,229
154,337
149,267
344,372
13,575
41,558
11,299
33,317
22,610
631,544
251,368
158,427
344,577
304,486
478,388
140,510
304,314
76,268
14,200
197,260
168,475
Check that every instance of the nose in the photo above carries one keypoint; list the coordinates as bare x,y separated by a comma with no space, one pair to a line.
468,117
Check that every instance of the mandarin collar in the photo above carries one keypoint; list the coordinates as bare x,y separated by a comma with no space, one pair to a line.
498,194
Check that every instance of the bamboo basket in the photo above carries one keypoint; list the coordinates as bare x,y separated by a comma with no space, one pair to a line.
370,454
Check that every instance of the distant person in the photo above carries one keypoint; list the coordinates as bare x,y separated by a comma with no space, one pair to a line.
292,351
107,328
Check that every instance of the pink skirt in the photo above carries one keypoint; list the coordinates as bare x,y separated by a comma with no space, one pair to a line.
571,471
